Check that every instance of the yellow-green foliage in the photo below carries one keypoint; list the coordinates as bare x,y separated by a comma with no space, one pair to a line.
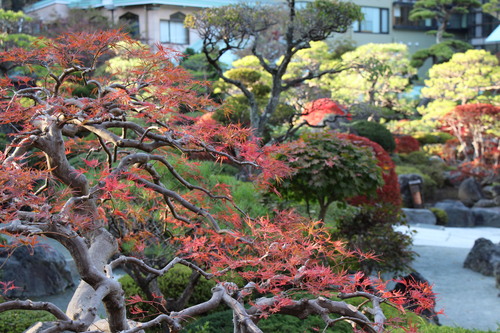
17,321
464,78
441,216
121,66
172,284
385,72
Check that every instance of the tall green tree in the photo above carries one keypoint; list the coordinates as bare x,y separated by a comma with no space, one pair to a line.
467,77
492,7
320,56
384,72
14,32
274,34
441,11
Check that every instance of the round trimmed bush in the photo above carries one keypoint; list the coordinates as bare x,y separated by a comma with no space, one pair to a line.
172,284
433,138
390,192
406,144
441,216
375,132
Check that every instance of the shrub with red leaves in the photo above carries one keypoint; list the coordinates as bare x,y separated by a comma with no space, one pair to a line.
316,111
389,193
406,144
474,126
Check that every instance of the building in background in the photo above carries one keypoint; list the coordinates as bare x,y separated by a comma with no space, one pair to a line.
385,21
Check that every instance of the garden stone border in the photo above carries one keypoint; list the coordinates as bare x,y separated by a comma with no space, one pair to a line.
459,215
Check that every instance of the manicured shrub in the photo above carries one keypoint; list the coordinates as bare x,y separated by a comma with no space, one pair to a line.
375,132
433,138
476,126
17,321
441,216
172,284
406,144
218,322
221,322
416,157
434,169
372,230
328,168
388,193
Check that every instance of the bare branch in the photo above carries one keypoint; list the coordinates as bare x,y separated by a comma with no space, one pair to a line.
146,268
30,305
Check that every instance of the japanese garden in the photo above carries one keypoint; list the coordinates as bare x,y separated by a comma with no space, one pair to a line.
162,189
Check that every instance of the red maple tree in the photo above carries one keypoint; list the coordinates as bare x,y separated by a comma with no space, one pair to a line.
406,144
316,111
90,173
389,193
476,128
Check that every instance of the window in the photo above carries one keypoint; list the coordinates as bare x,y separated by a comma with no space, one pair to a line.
131,24
173,30
376,21
402,18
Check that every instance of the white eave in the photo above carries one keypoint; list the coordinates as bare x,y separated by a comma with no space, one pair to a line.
494,37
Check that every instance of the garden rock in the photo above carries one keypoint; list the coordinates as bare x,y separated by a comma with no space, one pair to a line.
37,271
486,203
419,216
491,192
469,192
486,217
453,178
458,214
404,186
484,258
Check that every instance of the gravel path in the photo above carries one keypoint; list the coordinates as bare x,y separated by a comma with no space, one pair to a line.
469,299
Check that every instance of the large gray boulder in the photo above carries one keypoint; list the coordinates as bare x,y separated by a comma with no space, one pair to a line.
484,258
458,214
38,271
486,217
419,216
469,192
485,203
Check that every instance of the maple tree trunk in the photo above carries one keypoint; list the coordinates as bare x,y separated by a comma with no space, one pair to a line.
323,209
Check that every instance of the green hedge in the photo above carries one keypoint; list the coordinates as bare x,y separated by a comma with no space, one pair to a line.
222,322
17,321
376,132
172,284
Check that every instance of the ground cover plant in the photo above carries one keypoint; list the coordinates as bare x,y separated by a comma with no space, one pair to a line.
91,173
